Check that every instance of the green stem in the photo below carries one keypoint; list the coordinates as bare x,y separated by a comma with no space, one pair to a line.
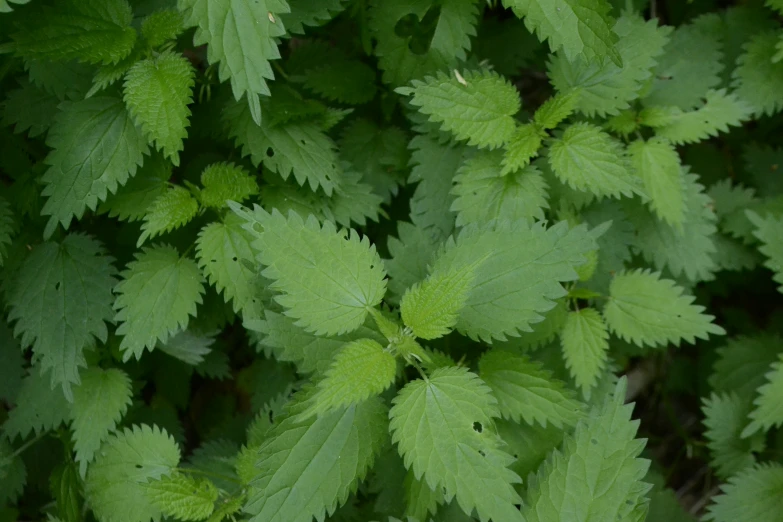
27,444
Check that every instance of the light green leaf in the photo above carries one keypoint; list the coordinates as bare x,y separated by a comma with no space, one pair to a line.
39,408
157,92
99,404
477,107
158,292
484,193
222,249
525,390
306,469
182,497
658,164
605,88
411,254
725,416
61,299
94,31
753,494
454,23
588,159
307,262
301,148
585,343
649,311
767,407
720,111
5,5
310,353
420,499
581,28
224,181
116,481
189,347
431,308
361,369
556,109
597,471
241,35
769,230
520,276
77,178
522,146
443,428
173,209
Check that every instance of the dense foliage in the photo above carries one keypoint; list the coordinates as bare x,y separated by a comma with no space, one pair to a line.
371,260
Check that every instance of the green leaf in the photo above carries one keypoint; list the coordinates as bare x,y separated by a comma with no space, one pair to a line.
484,193
241,35
182,497
757,80
29,108
604,87
585,343
434,166
39,408
522,146
597,469
301,148
442,42
581,28
420,499
411,254
157,92
132,201
158,292
477,107
311,13
720,111
658,164
116,481
431,308
525,390
725,415
360,370
520,276
13,473
5,6
767,408
77,178
173,209
61,299
306,469
690,66
162,26
753,494
108,75
443,429
688,251
346,81
649,311
588,159
99,404
306,261
310,353
190,348
742,364
224,181
769,230
7,228
93,31
221,251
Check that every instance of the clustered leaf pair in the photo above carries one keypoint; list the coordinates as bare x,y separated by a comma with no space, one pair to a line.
374,259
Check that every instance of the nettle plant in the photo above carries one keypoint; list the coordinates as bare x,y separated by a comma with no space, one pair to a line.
357,260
